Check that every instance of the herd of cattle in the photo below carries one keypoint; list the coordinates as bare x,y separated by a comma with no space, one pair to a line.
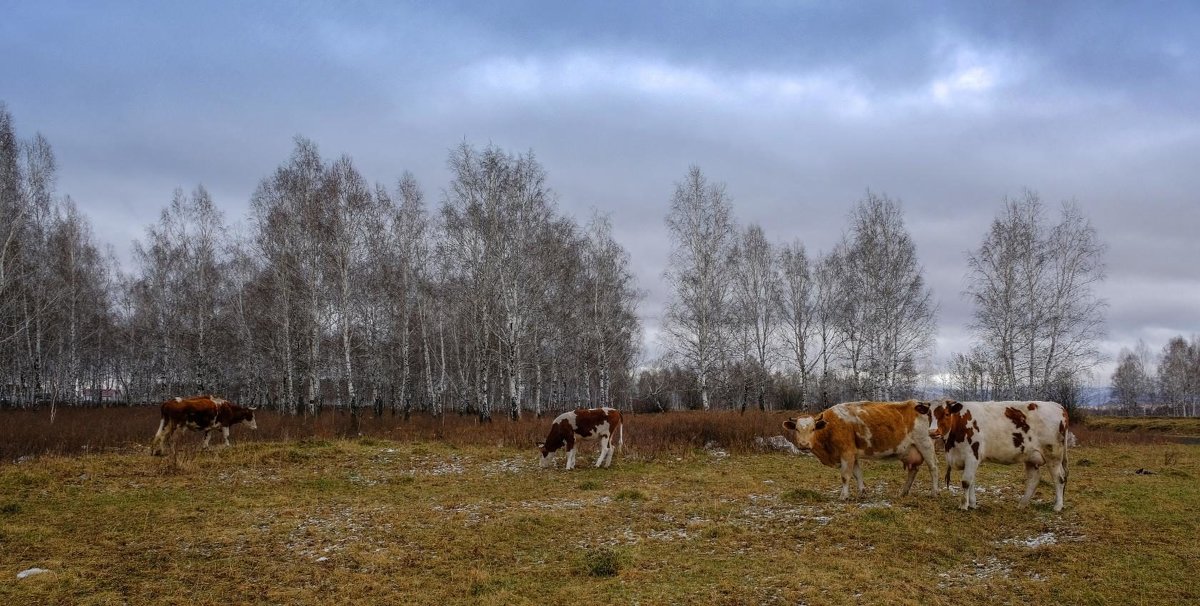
1033,433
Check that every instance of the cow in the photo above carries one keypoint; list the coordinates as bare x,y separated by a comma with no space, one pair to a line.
600,423
1029,432
843,434
199,413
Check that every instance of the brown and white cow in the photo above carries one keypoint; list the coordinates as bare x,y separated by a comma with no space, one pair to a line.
1034,433
842,435
199,413
587,423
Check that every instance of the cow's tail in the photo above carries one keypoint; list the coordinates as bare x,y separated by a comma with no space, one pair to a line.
1066,447
621,436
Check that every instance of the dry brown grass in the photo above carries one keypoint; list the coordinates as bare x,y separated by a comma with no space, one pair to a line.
1162,426
374,521
92,430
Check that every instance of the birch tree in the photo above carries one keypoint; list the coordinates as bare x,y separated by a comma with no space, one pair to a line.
1132,384
799,313
892,307
1033,289
756,297
695,325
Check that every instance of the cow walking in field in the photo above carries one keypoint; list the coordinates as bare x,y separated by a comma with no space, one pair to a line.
587,423
199,413
1033,433
842,435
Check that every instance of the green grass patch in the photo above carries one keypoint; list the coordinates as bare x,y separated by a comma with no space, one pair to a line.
630,495
601,562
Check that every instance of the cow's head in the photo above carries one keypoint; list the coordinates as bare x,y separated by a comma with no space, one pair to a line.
547,458
942,411
799,430
556,439
242,414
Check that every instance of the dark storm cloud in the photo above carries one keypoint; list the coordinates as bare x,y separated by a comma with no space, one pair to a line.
799,108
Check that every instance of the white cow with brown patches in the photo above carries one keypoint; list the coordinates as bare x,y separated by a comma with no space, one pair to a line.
1023,431
842,435
599,423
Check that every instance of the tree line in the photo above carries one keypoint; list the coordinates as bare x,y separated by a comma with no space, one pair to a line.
339,292
753,323
1166,384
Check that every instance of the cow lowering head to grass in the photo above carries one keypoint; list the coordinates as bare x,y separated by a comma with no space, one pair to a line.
1029,432
842,435
199,413
587,423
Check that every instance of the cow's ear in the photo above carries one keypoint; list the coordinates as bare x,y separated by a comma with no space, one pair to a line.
790,424
922,408
953,406
820,424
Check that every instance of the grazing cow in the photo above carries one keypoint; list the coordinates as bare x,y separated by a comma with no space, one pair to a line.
843,434
199,413
601,423
1034,433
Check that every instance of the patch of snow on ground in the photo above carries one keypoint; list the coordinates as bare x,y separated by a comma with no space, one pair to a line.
328,532
435,466
1046,538
504,466
875,505
977,571
715,450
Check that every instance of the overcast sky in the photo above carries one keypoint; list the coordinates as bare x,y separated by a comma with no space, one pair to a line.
798,107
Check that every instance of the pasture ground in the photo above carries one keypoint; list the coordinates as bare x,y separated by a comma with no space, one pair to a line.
375,521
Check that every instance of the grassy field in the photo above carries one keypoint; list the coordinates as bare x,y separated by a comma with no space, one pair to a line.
374,521
1187,427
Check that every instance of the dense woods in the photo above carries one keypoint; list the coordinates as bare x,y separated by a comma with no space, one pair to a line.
341,293
765,325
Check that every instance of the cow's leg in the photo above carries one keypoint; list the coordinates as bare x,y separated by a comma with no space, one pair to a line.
169,438
611,449
930,456
911,468
156,446
1059,471
207,435
858,477
968,482
1032,476
225,432
603,450
571,457
847,473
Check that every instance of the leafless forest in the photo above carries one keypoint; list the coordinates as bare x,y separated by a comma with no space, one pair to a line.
489,301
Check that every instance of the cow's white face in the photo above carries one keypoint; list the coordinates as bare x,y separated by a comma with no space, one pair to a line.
547,458
799,431
252,424
939,411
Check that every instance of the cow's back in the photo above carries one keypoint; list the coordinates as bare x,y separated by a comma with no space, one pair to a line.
1012,430
199,411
